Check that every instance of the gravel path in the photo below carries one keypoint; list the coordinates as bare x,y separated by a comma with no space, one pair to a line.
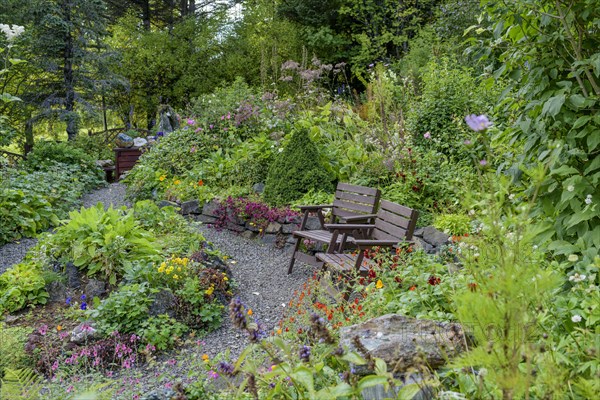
13,253
260,272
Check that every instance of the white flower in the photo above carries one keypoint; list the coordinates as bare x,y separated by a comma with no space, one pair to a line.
577,278
511,196
570,188
573,258
576,318
588,199
11,33
483,372
280,149
471,212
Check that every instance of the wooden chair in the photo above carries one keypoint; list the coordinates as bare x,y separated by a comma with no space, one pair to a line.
394,224
352,204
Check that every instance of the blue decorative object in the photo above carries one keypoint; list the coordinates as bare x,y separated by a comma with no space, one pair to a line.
124,141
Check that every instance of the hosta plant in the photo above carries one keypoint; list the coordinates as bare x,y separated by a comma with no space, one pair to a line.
102,242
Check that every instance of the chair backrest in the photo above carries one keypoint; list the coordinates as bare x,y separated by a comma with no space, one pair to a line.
354,200
394,222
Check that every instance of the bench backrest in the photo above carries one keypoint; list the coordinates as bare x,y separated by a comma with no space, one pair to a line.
354,200
394,222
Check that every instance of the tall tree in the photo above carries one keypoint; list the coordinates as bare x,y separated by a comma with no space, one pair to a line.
66,32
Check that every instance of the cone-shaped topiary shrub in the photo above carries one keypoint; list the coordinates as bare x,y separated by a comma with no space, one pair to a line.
296,170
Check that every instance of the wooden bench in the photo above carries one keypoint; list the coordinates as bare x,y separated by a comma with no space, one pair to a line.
352,203
394,224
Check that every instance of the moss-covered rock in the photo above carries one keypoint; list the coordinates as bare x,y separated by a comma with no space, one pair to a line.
296,170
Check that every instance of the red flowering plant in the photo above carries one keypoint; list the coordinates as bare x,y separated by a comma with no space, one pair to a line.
315,297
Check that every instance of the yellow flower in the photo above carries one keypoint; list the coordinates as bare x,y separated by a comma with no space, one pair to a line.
279,331
250,312
379,284
205,358
225,278
162,178
179,269
210,290
177,182
161,269
175,276
163,264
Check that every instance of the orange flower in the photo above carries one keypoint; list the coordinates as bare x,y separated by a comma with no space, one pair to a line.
279,331
59,328
379,284
205,358
200,182
412,288
250,312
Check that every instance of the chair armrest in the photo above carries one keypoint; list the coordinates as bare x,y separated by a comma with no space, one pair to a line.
315,207
358,218
365,244
347,227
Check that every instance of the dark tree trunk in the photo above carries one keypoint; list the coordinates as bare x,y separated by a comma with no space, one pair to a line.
192,8
28,137
68,74
146,14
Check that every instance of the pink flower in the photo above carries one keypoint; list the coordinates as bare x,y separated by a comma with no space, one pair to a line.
198,130
427,135
483,163
43,329
55,365
212,374
191,121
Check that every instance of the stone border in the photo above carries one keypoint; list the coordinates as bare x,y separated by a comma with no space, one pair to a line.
279,233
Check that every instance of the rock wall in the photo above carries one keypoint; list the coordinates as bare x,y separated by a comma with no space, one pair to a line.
279,233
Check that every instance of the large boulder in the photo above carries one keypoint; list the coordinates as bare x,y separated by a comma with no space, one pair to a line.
434,237
190,207
95,288
73,276
124,141
212,209
404,342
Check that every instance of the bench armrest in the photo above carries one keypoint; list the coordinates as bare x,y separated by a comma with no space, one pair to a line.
358,218
347,227
315,207
365,244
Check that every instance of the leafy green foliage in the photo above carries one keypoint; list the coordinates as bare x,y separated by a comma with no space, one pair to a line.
23,214
45,153
198,309
296,170
549,50
162,331
449,93
102,242
453,224
22,285
125,310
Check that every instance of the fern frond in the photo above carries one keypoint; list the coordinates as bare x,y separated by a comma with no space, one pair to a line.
22,384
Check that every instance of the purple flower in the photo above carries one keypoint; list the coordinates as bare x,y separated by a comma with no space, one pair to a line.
160,134
427,135
304,353
467,142
371,65
83,306
212,374
191,121
68,301
211,126
83,297
43,329
478,122
483,163
198,130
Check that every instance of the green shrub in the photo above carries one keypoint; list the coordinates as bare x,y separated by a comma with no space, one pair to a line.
453,224
102,242
23,213
45,153
449,93
21,285
296,171
125,310
313,197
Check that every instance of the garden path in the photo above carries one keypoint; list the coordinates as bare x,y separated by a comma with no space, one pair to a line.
13,253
